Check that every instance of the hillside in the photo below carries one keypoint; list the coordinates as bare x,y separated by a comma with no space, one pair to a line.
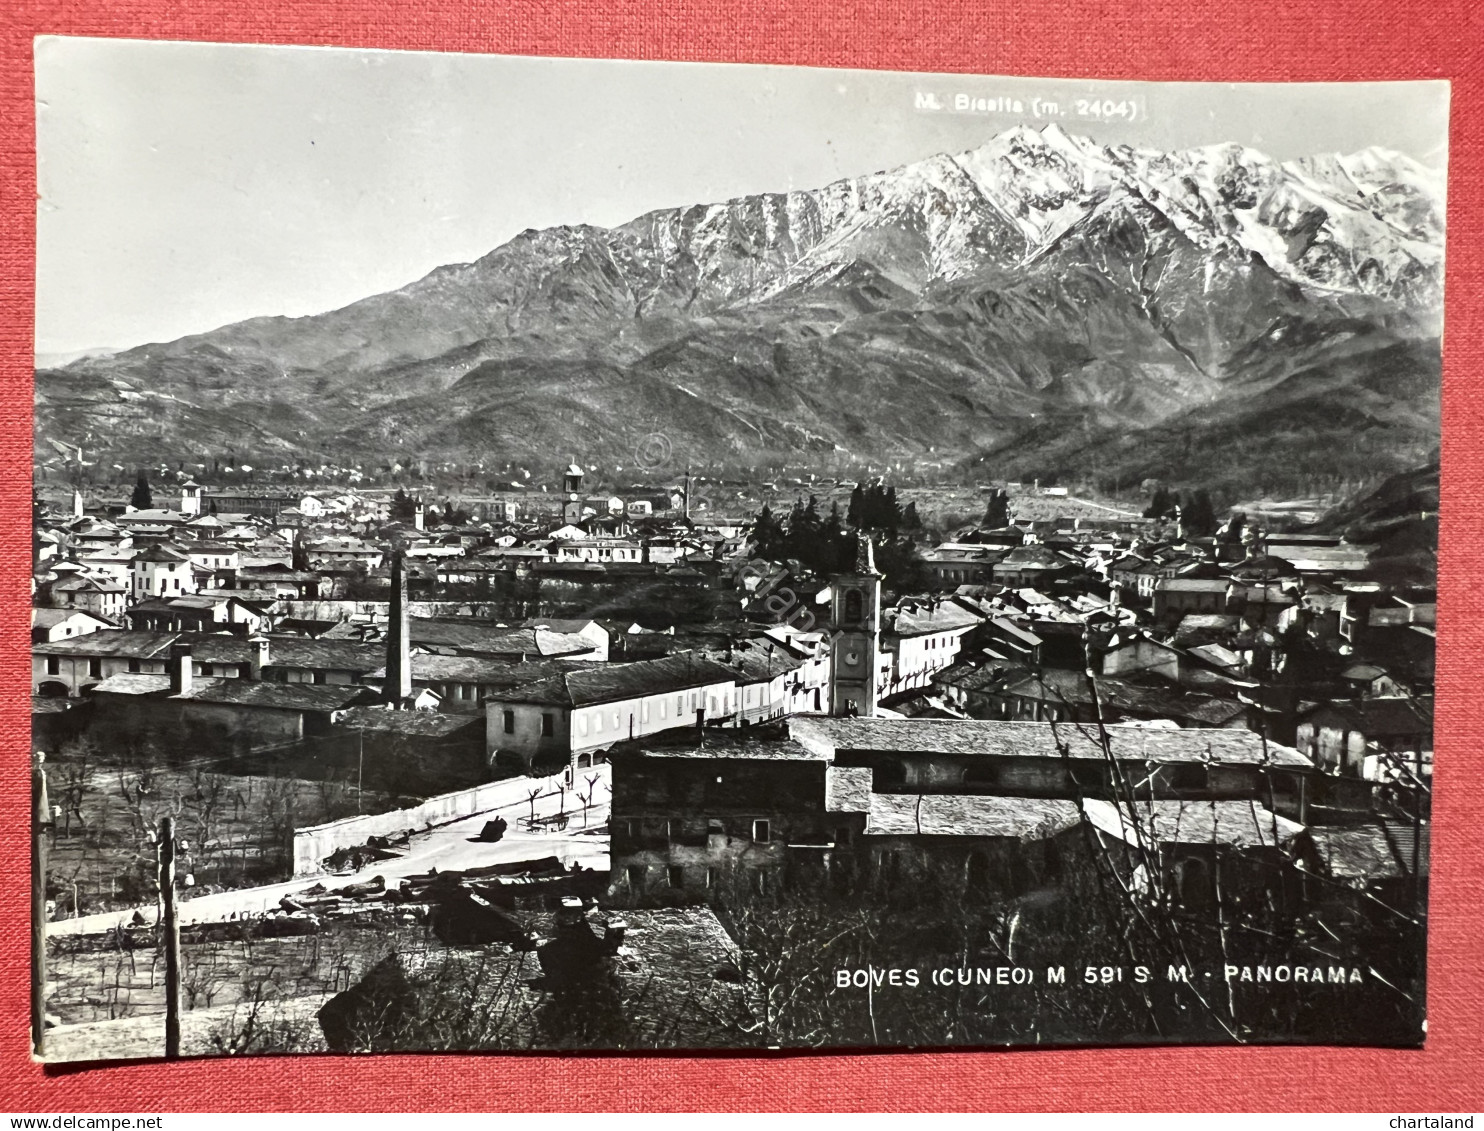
1400,519
1030,306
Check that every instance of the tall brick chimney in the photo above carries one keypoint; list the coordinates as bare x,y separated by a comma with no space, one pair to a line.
397,687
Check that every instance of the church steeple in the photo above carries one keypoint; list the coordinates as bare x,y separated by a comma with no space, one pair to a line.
855,647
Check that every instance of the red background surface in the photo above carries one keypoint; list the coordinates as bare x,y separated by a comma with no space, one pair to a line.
1132,39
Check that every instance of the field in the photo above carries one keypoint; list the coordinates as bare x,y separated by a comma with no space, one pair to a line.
944,510
238,828
97,978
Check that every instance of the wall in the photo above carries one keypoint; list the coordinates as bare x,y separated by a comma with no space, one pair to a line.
690,822
1168,601
313,844
1142,656
217,728
1330,744
578,730
257,725
74,670
526,740
604,724
921,657
305,675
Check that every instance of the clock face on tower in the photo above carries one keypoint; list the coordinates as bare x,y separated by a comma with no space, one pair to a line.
852,659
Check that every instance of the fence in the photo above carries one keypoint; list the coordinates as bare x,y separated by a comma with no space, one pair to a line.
312,845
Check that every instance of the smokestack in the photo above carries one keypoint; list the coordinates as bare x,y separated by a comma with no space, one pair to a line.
257,657
397,688
181,671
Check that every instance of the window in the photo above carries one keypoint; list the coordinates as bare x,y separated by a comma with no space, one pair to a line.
320,678
644,711
1193,882
53,665
548,725
761,831
888,774
636,874
95,667
676,876
854,606
710,877
582,725
207,669
134,665
1189,776
598,722
664,708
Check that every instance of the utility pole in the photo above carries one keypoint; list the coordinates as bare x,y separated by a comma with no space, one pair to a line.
41,815
170,931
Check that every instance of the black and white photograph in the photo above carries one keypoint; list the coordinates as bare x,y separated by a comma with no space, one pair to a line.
568,554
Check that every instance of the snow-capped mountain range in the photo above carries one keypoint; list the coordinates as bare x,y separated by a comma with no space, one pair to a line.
983,304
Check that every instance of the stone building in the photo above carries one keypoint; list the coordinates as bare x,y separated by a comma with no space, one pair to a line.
1000,805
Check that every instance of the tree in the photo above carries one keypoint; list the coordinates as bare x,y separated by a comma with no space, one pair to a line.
403,508
142,499
767,536
874,508
997,514
901,565
1159,504
1200,515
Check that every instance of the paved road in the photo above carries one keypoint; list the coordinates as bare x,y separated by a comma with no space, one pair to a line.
448,848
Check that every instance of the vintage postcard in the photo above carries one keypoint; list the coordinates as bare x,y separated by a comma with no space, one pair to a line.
571,554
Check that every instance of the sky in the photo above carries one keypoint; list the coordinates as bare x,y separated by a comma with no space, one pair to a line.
185,186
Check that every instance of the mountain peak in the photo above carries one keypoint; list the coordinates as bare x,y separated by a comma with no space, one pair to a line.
947,304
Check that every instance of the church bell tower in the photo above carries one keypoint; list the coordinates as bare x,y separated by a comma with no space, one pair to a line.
855,649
